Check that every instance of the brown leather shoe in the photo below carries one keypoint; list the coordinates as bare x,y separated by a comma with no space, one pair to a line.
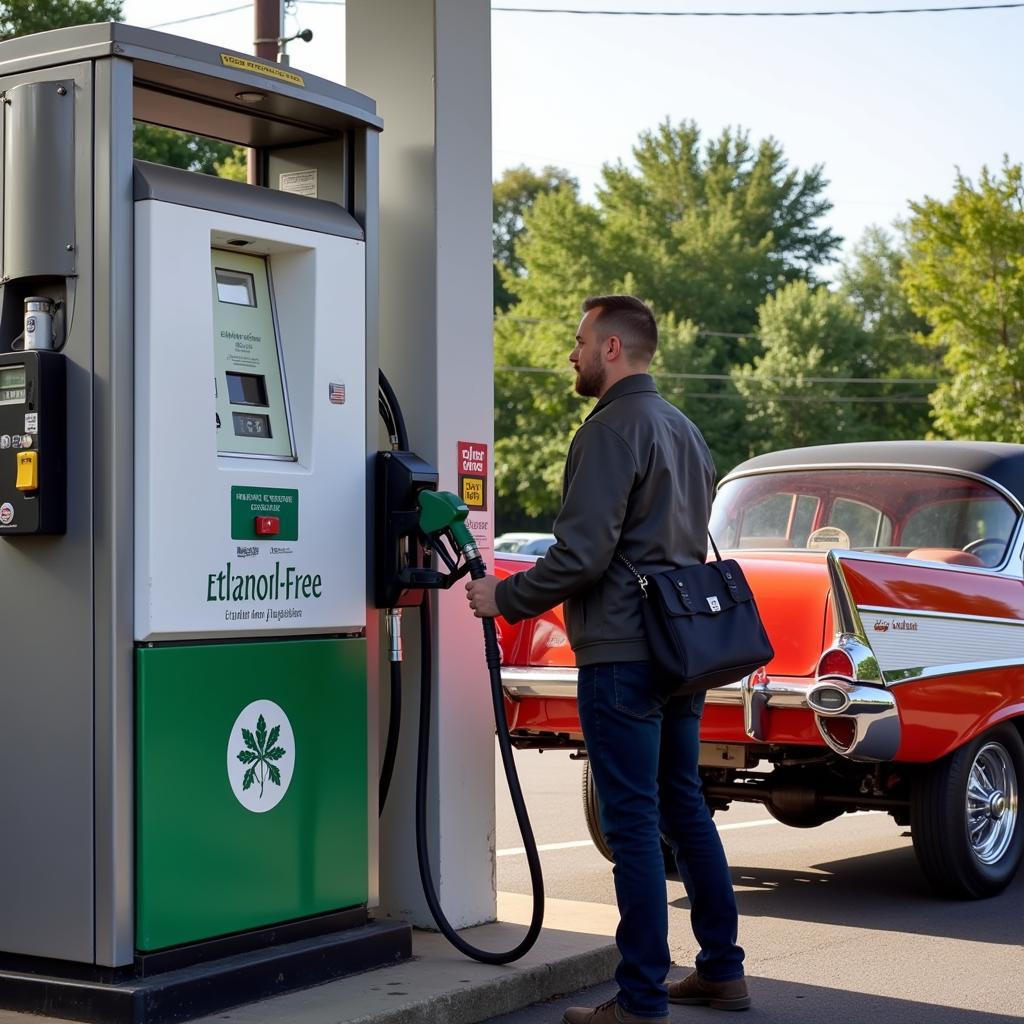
607,1013
694,990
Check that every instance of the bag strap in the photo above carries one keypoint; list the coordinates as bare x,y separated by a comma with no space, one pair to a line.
642,580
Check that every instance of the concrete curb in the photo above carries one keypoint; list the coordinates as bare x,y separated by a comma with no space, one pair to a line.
519,988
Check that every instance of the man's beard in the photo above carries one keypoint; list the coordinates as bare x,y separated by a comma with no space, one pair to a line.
590,381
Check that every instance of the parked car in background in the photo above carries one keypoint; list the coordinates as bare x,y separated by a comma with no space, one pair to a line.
889,577
524,543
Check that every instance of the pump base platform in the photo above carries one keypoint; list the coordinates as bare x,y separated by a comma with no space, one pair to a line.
178,985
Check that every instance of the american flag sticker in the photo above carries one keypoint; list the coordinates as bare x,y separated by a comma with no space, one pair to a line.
336,393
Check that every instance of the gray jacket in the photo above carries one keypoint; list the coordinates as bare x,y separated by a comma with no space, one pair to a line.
639,478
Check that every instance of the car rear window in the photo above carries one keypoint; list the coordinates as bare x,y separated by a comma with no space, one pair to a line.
925,515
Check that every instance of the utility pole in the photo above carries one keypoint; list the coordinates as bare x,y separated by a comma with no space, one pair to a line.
268,27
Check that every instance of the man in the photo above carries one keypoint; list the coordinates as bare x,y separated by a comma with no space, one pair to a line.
638,478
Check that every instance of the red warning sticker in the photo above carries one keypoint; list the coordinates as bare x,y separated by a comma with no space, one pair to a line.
473,474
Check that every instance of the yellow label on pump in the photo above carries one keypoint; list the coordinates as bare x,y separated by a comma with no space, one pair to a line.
28,471
229,60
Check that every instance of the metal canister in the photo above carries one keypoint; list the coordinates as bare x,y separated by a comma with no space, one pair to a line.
38,322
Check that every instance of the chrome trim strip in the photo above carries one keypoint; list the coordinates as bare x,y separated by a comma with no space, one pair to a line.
896,677
538,681
847,614
959,616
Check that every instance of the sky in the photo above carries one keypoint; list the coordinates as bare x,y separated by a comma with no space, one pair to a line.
890,105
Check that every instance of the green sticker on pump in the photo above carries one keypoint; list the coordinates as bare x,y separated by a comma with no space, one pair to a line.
263,513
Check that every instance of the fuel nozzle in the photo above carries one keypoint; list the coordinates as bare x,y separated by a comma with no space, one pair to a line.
443,514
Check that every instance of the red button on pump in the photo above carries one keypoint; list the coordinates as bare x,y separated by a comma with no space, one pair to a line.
268,526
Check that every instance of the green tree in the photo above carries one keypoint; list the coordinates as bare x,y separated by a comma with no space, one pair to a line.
177,149
705,233
871,279
810,336
514,193
234,167
24,17
964,274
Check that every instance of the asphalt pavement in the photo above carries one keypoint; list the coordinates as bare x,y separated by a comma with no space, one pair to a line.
837,922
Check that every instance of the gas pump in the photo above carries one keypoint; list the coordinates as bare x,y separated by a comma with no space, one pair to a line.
186,456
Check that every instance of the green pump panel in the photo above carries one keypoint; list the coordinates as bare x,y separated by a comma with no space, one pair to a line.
251,782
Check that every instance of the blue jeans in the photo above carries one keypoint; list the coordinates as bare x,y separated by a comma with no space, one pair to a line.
643,757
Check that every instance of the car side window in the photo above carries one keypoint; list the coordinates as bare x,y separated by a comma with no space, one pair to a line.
866,526
780,520
979,526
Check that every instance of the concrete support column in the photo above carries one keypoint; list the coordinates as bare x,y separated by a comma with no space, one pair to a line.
427,64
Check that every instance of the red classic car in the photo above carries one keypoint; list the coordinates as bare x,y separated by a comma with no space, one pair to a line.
889,577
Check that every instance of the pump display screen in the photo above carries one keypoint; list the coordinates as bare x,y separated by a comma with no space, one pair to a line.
236,287
12,385
247,389
248,424
250,391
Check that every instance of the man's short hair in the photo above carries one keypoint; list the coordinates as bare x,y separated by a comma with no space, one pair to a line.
630,319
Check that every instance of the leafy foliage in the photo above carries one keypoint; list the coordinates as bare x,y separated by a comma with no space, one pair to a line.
514,193
705,233
234,167
897,339
24,17
177,149
261,753
964,274
809,335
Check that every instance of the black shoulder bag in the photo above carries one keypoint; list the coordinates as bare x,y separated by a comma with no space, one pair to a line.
702,625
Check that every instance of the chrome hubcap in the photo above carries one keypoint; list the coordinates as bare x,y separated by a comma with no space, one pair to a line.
992,803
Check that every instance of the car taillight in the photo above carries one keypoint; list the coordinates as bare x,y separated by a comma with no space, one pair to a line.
836,662
841,730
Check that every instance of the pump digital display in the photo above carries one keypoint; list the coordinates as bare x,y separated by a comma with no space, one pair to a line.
235,287
12,385
249,424
247,389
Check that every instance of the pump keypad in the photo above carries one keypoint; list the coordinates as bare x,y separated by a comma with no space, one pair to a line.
33,443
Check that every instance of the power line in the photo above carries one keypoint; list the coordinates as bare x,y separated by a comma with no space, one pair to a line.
930,381
756,14
646,14
200,17
809,399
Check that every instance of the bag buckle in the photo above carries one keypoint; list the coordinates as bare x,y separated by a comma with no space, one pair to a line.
642,580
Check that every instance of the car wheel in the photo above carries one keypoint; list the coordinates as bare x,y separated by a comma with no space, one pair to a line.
966,816
592,815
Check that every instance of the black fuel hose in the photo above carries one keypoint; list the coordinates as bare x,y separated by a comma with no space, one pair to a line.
477,569
387,767
394,421
397,419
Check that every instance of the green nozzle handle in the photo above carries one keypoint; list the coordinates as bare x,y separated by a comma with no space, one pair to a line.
442,511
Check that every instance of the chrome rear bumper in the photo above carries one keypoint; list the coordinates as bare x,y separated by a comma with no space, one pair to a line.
871,710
